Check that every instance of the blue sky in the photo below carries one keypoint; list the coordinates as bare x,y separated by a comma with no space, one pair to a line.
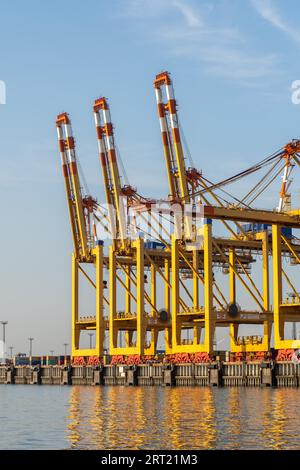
232,62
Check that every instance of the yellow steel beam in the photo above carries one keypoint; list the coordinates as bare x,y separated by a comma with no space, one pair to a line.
279,341
140,329
290,283
232,276
153,331
249,278
135,282
266,277
237,274
75,328
239,226
208,293
195,279
165,278
233,328
175,293
277,285
128,289
290,248
186,290
91,281
99,345
168,331
201,278
113,332
291,219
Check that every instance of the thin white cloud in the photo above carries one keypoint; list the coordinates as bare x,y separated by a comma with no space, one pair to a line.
191,17
158,8
146,8
267,10
184,28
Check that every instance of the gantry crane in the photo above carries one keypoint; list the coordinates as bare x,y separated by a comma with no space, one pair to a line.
183,262
128,256
86,248
181,187
186,185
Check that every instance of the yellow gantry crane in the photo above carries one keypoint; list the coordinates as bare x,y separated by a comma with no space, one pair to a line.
81,212
198,275
180,192
186,184
128,257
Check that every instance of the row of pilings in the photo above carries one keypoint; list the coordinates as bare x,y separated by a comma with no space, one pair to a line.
249,374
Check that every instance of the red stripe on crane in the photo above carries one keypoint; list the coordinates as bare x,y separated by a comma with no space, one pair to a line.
172,106
112,155
176,135
103,159
164,136
73,168
70,143
65,170
161,110
61,145
109,129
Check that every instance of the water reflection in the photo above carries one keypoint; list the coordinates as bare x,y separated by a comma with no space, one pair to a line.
182,418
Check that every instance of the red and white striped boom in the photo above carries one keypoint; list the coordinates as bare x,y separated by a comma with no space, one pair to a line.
110,170
72,184
171,137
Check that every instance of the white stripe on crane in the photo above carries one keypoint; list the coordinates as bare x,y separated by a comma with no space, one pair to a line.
106,116
110,142
163,124
174,121
170,92
158,94
97,119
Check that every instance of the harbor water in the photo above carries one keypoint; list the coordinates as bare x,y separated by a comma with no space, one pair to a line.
86,417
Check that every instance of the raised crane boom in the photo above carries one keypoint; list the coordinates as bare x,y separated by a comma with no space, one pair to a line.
171,138
72,184
110,170
182,181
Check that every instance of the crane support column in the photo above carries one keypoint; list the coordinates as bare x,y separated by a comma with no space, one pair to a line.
140,307
266,289
277,286
99,346
150,350
233,327
75,295
208,287
280,309
128,333
113,331
176,330
197,328
168,331
195,279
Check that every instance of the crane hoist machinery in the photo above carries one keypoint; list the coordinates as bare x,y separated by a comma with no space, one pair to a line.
222,263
